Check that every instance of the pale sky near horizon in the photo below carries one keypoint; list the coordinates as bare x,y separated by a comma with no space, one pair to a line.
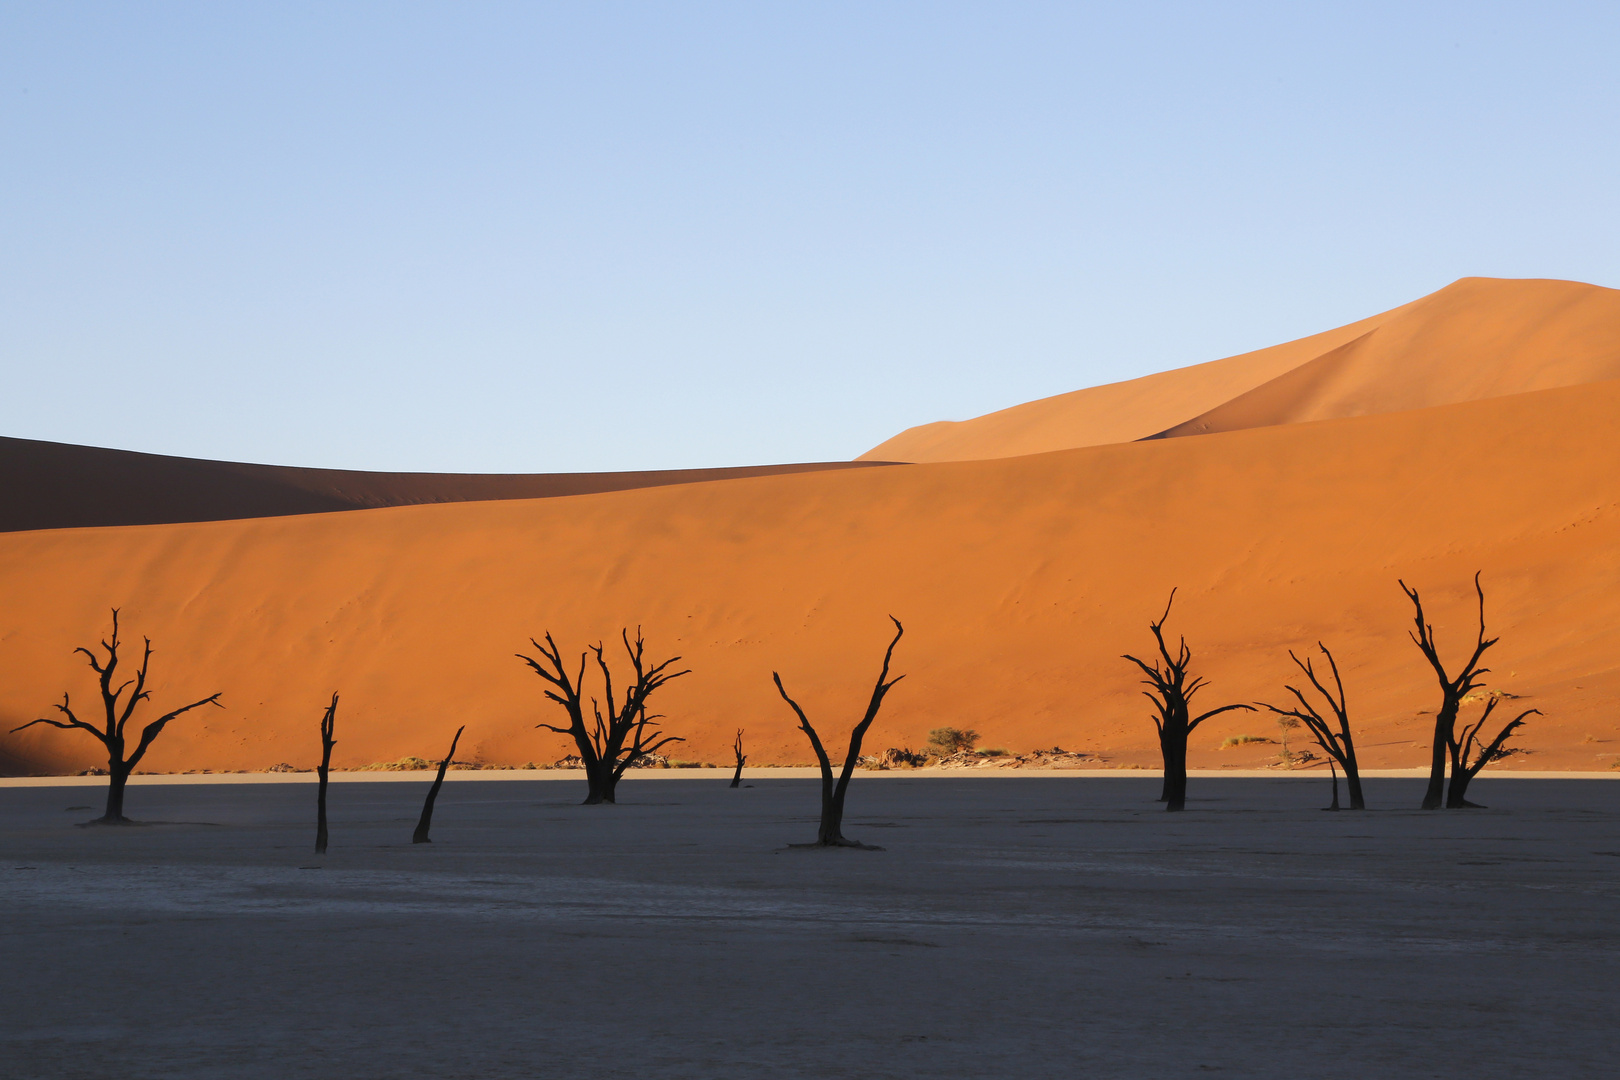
534,238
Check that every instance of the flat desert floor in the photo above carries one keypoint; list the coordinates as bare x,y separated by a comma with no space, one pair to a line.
1014,926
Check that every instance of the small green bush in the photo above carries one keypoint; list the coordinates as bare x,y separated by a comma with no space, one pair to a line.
946,741
1239,740
995,752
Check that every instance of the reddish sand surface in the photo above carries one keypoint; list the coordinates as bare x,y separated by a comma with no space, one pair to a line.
1020,581
1477,338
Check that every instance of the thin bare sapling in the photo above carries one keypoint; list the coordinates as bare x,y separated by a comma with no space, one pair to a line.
742,759
426,823
328,727
1332,735
830,831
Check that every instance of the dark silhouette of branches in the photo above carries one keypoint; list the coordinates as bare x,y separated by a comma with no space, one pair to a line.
625,734
1338,744
1463,770
328,726
1452,688
736,747
118,711
422,826
830,833
1171,692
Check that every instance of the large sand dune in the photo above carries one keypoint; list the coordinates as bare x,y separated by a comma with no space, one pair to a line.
1477,338
1020,582
46,485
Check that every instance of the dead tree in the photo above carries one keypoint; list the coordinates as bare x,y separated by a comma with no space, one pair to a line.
830,833
328,726
736,747
1463,770
1339,745
422,827
1452,689
1172,693
615,742
117,715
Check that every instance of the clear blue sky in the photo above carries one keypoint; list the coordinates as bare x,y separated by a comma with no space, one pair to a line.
488,237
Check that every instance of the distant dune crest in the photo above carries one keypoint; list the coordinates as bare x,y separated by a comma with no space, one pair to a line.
1477,338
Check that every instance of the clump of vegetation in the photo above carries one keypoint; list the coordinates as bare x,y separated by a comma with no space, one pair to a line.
404,764
1239,740
946,741
1286,724
998,751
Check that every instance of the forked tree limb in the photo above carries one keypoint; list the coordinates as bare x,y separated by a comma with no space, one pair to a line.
830,831
422,826
1453,688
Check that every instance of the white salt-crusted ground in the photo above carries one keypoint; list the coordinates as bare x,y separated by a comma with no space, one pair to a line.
1015,926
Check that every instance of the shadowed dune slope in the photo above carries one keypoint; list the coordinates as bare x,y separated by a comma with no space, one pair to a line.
1477,338
47,485
1020,582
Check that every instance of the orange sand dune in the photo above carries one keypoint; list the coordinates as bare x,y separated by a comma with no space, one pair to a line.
46,485
1477,338
1020,582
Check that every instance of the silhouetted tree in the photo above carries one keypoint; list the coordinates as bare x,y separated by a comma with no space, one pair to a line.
1172,695
422,826
830,832
621,738
1463,770
736,747
1339,745
117,715
328,726
1452,689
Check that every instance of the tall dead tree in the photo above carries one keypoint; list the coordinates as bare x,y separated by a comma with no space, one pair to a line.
1466,764
1172,693
830,832
625,735
328,726
1339,745
736,748
117,715
422,826
1452,688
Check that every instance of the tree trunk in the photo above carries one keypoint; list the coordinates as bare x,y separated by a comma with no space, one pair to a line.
1352,780
1444,722
736,777
1164,756
1175,775
831,832
601,783
117,777
320,813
